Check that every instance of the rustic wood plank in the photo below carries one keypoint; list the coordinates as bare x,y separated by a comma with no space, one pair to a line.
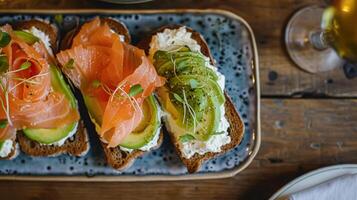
279,76
298,135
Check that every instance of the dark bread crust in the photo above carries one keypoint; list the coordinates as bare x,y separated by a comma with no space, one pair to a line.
14,151
236,129
120,159
77,145
115,157
115,25
80,144
49,29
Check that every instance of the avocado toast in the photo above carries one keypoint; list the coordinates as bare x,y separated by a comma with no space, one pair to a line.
39,107
198,113
116,81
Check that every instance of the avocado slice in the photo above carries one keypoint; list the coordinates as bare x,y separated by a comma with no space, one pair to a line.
168,55
1,144
211,87
148,127
207,125
186,65
94,108
143,133
60,85
179,63
190,103
29,38
49,136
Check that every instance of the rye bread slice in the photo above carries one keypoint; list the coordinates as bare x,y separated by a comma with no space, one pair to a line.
14,151
78,145
120,159
115,157
236,128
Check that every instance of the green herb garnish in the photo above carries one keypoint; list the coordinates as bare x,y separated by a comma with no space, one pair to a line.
26,37
3,123
4,64
4,39
186,138
69,64
135,89
25,65
178,98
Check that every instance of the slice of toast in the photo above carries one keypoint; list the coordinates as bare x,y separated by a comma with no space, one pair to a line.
115,157
77,145
120,159
236,128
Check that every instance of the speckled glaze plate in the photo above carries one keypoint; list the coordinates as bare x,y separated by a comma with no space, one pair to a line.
233,46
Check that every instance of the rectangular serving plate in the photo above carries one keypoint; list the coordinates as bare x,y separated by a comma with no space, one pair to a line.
242,84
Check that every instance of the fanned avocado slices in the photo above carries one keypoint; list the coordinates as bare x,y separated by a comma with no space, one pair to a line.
193,91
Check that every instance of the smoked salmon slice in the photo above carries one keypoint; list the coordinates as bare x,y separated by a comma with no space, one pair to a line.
27,97
106,68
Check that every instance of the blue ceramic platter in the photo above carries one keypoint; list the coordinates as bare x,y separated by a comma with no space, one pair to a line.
232,44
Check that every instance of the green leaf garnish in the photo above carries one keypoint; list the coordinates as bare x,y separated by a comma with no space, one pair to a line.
178,98
26,37
186,138
59,19
4,39
135,89
193,83
25,65
69,64
96,83
4,64
3,123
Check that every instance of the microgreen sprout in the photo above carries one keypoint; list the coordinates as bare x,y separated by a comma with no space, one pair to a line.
135,90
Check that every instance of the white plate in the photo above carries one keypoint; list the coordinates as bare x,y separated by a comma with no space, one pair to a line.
313,178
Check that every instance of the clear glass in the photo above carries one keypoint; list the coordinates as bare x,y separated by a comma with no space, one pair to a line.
307,44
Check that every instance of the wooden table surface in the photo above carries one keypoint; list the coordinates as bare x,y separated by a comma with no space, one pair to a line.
308,121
